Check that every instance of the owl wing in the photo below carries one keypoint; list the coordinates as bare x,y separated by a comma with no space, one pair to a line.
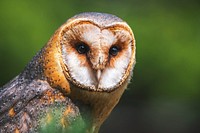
35,106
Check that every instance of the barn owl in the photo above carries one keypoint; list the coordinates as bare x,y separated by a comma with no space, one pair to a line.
80,74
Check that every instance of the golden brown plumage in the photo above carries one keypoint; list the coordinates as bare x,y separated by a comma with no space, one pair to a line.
80,74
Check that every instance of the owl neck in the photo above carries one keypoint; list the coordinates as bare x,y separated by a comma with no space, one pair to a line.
51,60
96,105
47,65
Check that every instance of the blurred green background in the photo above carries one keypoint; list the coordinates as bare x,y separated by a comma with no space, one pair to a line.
164,94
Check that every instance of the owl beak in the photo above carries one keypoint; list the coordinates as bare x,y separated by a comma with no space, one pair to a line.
98,74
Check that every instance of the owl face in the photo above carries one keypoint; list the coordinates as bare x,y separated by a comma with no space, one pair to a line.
98,56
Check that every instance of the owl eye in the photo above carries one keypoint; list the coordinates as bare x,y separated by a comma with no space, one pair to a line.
114,50
82,48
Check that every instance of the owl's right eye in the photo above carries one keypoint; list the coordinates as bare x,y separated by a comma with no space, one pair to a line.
82,48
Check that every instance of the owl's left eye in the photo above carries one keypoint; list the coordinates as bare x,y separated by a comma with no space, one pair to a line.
82,48
114,50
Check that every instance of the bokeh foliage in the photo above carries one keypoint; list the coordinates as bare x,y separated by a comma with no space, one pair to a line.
165,89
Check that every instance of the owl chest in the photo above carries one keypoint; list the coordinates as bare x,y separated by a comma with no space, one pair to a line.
95,106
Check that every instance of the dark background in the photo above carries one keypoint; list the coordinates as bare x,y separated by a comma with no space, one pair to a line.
164,94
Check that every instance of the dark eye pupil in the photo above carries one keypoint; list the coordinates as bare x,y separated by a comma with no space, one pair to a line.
82,48
114,50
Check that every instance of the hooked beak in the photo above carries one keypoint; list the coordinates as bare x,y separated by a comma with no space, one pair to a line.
98,74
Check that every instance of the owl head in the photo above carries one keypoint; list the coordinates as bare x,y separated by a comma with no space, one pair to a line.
98,51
